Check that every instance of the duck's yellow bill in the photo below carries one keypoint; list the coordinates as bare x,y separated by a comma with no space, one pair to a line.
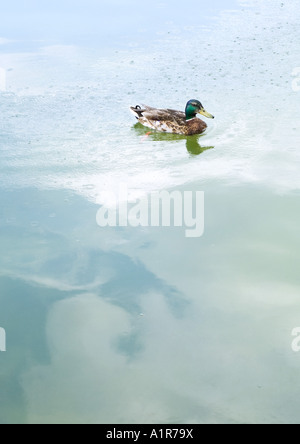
206,114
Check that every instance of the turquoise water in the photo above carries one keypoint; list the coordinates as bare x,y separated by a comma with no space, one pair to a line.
142,325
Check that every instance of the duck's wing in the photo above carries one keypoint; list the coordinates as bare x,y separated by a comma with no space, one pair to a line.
162,114
166,120
150,113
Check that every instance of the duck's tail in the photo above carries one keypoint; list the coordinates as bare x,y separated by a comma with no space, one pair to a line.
137,111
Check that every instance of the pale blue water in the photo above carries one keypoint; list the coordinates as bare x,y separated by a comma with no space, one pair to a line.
142,325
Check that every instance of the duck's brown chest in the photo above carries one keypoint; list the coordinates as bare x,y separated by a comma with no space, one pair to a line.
195,126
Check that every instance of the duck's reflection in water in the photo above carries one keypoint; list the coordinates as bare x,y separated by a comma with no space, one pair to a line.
193,145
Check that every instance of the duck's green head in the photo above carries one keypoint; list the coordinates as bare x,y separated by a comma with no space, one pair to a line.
194,107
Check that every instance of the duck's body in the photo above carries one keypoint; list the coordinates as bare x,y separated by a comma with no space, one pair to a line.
172,121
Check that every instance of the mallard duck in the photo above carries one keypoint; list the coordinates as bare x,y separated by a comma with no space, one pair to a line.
172,121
